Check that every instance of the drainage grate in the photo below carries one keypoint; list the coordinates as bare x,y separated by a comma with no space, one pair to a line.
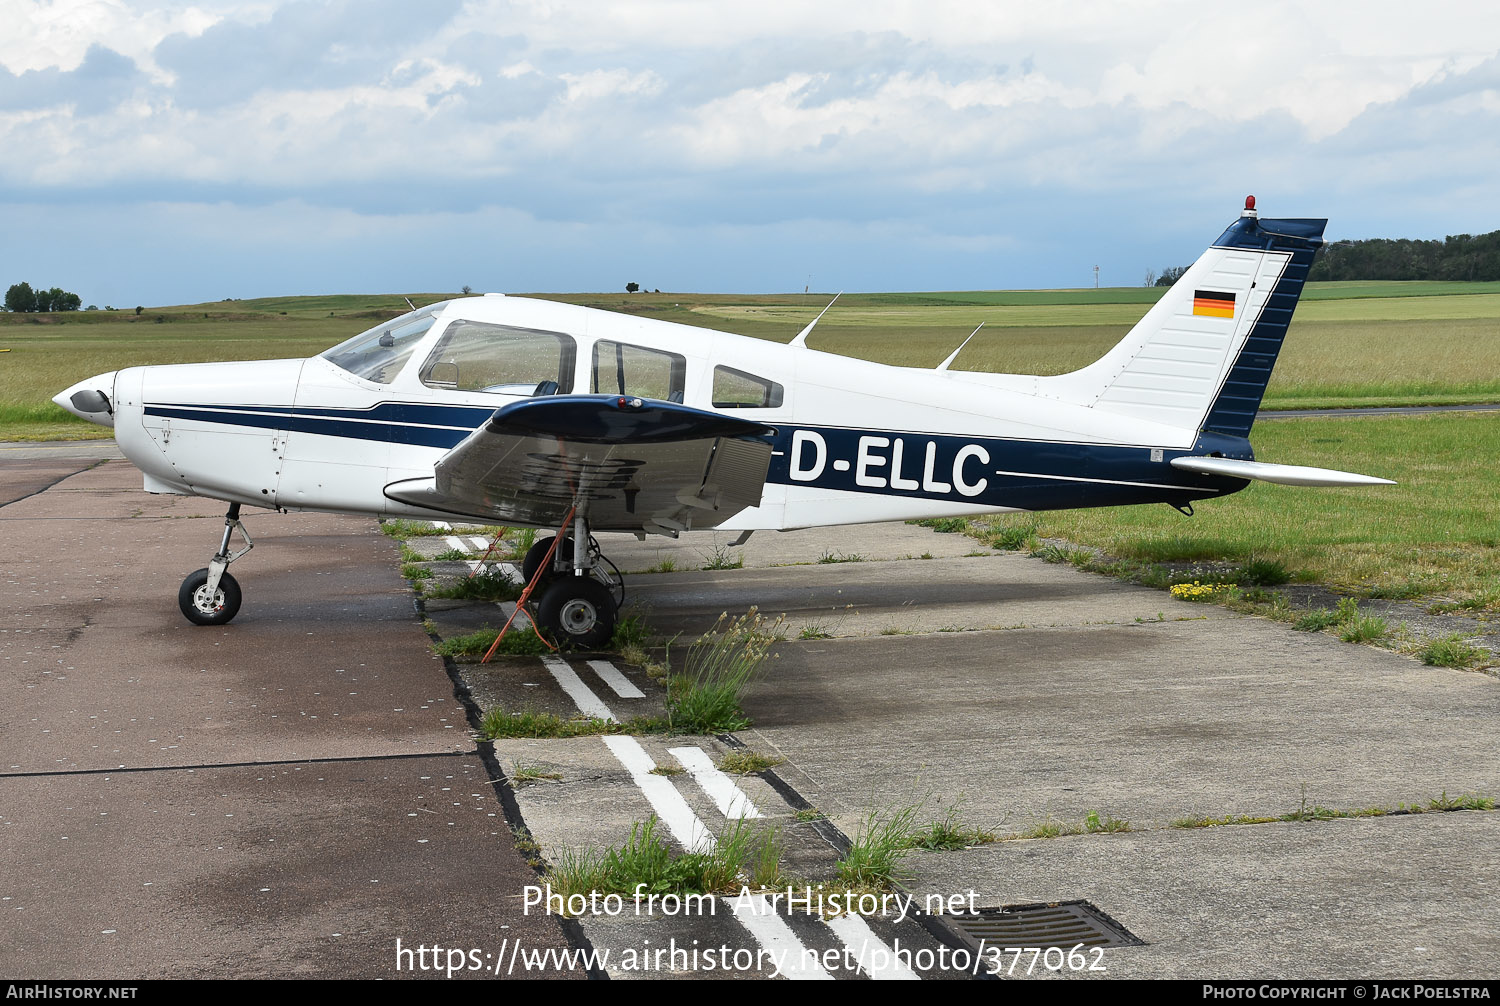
1060,924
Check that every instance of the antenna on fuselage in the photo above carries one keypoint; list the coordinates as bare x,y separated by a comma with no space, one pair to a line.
409,303
954,355
801,339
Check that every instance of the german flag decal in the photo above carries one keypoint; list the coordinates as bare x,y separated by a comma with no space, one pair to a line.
1213,304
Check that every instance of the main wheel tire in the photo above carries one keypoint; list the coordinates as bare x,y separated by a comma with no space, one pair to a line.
200,609
579,611
535,556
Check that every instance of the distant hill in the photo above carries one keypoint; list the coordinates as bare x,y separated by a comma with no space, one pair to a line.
1465,257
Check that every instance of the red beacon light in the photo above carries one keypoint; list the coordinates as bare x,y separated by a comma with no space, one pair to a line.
1249,207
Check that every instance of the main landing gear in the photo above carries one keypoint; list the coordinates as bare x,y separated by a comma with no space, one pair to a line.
579,590
210,596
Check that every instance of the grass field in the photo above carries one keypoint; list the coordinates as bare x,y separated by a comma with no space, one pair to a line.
1350,344
1436,533
47,353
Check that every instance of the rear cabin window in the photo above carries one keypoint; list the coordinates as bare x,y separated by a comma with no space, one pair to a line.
735,389
499,359
621,369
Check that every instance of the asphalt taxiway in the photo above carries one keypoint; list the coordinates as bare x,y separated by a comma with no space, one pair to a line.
284,796
1020,695
180,800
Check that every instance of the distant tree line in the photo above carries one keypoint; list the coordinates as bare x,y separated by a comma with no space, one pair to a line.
1169,275
1460,257
22,298
1456,257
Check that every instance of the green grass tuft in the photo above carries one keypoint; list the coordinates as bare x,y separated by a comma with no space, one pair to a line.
948,833
1453,651
1015,537
944,525
1467,801
1215,822
882,841
523,773
523,642
721,558
1050,829
494,585
705,698
747,762
497,724
1109,824
1315,620
645,863
401,529
630,631
1263,573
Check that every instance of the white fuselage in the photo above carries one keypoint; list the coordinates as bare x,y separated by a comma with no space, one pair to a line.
310,435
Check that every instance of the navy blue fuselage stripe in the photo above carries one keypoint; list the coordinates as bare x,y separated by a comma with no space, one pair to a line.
298,420
967,469
936,467
466,416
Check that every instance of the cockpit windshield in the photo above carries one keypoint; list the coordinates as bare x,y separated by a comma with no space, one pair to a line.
379,354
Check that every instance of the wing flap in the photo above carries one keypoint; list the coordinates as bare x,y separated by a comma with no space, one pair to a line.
633,464
1286,475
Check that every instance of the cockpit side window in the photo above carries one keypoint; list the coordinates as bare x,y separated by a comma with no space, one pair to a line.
500,359
735,389
379,354
621,369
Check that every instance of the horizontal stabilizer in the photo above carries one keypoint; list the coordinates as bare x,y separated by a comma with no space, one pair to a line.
1286,475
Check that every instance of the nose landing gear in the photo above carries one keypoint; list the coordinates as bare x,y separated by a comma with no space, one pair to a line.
210,596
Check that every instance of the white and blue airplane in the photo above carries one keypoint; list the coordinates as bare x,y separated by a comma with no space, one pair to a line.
533,413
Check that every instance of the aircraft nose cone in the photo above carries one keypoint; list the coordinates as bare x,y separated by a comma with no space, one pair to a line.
91,399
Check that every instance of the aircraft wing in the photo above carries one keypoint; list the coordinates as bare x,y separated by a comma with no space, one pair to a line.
630,464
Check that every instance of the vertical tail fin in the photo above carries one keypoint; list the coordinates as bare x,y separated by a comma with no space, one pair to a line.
1201,357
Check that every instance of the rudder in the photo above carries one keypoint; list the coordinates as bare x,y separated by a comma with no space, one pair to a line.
1201,357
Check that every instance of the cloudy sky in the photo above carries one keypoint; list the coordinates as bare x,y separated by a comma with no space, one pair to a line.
161,152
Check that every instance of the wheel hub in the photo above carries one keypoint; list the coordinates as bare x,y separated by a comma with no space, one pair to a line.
207,603
577,617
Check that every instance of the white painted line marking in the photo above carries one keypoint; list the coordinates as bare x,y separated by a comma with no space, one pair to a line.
508,568
772,932
453,541
722,790
622,685
588,703
441,525
669,805
855,933
521,620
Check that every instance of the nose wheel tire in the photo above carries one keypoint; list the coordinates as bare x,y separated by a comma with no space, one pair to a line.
579,611
201,608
